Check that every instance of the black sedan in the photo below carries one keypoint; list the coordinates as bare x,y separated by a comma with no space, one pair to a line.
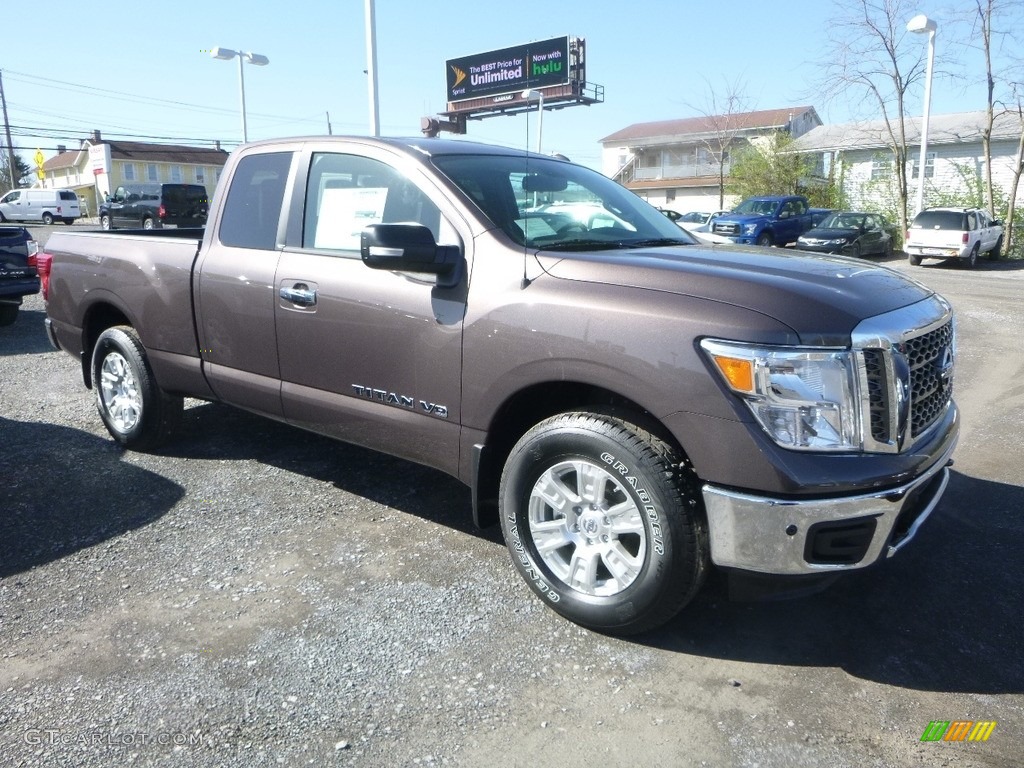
850,233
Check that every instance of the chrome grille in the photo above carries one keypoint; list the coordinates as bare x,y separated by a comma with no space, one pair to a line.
931,376
906,373
725,229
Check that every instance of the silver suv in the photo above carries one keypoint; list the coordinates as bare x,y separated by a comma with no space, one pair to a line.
954,233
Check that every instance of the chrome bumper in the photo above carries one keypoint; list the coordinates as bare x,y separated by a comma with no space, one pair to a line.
779,536
51,334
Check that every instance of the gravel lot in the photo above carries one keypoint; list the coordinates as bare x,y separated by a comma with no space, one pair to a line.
254,595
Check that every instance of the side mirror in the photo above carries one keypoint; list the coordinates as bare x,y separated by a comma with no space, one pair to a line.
997,223
410,248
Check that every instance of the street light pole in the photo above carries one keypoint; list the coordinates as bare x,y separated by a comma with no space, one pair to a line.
534,95
226,54
921,24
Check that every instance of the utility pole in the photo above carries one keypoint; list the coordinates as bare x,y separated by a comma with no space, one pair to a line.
11,164
329,132
371,67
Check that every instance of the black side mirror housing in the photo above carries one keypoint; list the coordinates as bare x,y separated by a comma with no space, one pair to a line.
410,248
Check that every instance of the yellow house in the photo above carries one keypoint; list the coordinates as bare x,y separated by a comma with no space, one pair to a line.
99,167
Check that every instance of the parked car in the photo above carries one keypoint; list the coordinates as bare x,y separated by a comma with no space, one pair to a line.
631,406
708,222
769,220
675,216
851,233
18,274
953,233
45,205
152,206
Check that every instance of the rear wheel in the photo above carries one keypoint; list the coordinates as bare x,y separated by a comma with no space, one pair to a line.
972,259
604,521
47,218
8,314
136,412
915,261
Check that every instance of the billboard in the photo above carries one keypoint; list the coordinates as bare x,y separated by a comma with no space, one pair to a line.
533,65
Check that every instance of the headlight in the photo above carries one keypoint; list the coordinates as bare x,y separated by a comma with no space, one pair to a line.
838,241
749,229
804,398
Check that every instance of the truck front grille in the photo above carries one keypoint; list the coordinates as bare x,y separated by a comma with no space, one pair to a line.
730,230
906,375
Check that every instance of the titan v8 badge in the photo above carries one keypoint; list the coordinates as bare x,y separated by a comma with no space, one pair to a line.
402,401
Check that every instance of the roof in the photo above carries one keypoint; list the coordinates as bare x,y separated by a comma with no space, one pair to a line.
764,119
143,152
955,128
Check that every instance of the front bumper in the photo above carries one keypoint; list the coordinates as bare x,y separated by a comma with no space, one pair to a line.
793,537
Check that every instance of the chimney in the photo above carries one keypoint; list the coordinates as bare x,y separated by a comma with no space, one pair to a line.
218,145
96,136
61,149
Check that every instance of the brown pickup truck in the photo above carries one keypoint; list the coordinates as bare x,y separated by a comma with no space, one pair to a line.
632,406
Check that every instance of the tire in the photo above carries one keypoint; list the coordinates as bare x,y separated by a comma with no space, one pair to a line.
136,412
69,222
887,251
3,219
105,222
8,314
765,239
148,223
47,218
619,572
972,258
855,251
997,250
915,261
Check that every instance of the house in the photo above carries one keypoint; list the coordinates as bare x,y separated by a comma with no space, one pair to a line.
677,164
859,158
100,166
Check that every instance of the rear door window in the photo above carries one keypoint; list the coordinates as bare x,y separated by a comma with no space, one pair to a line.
252,210
939,220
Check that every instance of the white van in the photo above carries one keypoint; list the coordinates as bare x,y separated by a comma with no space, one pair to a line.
45,205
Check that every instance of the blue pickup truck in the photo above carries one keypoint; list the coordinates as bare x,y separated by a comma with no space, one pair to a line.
769,220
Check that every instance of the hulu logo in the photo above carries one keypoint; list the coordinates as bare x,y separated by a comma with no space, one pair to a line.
547,68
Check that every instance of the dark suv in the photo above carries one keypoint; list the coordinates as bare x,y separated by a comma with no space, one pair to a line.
18,274
151,206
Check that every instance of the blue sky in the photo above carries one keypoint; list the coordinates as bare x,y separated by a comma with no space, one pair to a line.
147,74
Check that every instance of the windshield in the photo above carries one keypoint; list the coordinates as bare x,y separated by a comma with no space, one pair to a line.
757,207
551,204
843,221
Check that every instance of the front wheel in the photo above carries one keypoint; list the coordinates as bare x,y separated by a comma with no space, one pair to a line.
47,218
105,222
604,521
136,412
147,223
765,239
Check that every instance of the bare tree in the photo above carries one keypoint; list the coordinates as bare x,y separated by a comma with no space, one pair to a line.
1017,170
872,59
722,111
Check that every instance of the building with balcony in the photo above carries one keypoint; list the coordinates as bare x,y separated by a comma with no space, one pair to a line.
99,166
681,164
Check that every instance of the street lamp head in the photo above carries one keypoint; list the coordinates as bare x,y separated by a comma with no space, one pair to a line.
223,53
921,24
257,59
531,94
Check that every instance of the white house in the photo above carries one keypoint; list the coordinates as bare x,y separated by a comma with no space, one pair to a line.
675,163
862,162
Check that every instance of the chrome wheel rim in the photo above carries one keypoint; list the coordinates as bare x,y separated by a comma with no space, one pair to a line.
586,528
119,393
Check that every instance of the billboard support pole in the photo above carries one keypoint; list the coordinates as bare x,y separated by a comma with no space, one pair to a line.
371,66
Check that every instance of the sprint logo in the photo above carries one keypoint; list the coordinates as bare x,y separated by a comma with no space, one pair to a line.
958,730
459,76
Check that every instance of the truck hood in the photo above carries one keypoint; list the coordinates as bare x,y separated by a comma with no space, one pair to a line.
821,298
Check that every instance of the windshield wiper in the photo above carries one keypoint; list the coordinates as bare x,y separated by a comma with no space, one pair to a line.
653,242
579,244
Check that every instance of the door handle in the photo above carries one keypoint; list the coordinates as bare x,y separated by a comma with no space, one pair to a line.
300,295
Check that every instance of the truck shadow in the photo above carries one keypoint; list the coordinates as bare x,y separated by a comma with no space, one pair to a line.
50,480
27,336
378,477
943,615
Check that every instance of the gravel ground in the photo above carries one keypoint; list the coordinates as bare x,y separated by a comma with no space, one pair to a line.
252,595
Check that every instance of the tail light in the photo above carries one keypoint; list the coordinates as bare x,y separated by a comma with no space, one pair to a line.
44,261
161,212
965,238
58,210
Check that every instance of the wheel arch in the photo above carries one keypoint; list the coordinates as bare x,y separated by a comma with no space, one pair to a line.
532,404
98,317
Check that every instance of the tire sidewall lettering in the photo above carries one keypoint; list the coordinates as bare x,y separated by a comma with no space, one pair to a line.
651,511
